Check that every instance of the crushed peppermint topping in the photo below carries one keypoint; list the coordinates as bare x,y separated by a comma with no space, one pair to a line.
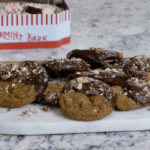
139,90
89,86
137,66
22,71
13,85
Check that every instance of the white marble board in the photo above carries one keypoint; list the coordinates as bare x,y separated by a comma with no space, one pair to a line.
126,30
36,119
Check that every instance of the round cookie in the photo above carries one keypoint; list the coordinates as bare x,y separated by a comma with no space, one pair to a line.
111,76
86,99
123,102
21,83
138,66
15,95
135,94
51,94
61,68
33,73
97,57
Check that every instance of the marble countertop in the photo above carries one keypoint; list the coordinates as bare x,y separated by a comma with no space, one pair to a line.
116,25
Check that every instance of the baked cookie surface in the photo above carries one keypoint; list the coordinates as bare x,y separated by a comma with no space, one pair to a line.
86,99
123,102
15,95
51,94
21,83
135,94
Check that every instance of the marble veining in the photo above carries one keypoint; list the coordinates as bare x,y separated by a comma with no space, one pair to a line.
121,25
93,141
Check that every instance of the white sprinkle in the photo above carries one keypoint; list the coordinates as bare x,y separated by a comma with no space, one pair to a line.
145,89
13,85
34,71
82,80
7,87
24,69
14,67
108,69
125,93
96,71
79,86
114,70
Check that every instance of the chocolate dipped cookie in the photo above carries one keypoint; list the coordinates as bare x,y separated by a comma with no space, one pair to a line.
110,76
138,66
61,68
97,57
21,83
51,94
86,99
135,94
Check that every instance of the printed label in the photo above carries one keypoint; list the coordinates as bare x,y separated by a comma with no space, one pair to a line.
34,28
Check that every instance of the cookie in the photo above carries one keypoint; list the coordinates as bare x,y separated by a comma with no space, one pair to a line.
120,64
123,102
51,94
97,57
135,94
61,68
138,66
21,83
110,76
86,99
15,95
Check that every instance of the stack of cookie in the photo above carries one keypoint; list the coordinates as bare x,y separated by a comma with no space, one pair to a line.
92,83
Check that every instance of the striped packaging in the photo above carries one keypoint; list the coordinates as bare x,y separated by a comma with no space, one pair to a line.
22,31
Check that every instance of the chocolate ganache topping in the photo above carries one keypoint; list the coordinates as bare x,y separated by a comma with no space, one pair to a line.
97,57
138,90
137,66
90,87
27,72
111,76
64,67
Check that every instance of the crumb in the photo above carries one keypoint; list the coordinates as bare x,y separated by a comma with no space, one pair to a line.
28,112
93,25
131,136
148,109
25,113
45,109
54,110
34,112
132,144
8,109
